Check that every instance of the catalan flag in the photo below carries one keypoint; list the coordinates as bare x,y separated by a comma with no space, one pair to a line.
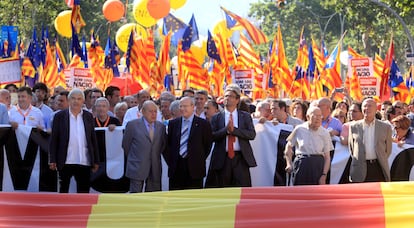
354,86
249,59
301,86
225,49
278,63
191,74
164,57
97,57
378,66
255,34
384,90
50,70
76,18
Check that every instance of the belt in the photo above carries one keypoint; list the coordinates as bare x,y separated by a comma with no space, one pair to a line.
308,155
235,152
372,161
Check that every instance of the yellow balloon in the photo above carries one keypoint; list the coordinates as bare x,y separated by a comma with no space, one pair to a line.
123,33
221,27
175,4
142,15
62,23
198,53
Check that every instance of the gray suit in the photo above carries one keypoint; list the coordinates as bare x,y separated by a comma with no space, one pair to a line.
383,145
144,156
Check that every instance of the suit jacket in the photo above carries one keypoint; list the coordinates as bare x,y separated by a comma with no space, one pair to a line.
59,139
198,146
244,132
383,146
4,115
143,154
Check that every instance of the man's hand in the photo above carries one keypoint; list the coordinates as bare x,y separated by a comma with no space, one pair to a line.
230,126
14,125
95,167
262,120
111,127
52,166
322,180
289,167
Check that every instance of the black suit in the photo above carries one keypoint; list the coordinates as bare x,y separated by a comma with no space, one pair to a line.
58,149
185,173
232,172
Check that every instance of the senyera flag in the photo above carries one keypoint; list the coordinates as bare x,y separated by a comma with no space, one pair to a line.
350,205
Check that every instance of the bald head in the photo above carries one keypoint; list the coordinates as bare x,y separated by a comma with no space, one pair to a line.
325,105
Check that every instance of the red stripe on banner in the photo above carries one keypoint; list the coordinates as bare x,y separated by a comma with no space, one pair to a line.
353,205
45,209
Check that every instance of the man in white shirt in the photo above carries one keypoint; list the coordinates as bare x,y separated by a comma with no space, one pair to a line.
25,113
73,149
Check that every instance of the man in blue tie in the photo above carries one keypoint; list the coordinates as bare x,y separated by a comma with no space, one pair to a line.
189,143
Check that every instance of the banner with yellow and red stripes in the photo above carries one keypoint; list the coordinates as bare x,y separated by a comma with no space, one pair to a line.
351,205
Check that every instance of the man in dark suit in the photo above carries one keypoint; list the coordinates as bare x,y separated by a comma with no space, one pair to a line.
232,154
144,141
73,149
189,143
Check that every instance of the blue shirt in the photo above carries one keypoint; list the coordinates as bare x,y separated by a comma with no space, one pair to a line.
333,123
147,125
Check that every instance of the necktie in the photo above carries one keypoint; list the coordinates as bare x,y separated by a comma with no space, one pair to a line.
184,138
230,141
151,132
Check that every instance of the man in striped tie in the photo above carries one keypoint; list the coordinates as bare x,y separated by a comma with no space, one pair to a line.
189,143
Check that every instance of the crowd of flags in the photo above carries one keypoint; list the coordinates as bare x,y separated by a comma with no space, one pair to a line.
314,74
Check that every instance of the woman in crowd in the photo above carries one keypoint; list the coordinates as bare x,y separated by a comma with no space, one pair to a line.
403,132
120,110
340,115
354,114
298,110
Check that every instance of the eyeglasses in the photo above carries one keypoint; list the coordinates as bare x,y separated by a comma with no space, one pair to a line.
396,128
398,106
354,111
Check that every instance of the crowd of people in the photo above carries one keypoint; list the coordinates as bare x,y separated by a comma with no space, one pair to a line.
185,130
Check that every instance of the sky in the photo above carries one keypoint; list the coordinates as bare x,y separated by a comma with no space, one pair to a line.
207,12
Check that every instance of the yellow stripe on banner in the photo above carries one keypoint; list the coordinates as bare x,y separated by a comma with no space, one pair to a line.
398,204
190,208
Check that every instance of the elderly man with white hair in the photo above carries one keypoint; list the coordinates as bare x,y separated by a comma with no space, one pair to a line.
263,112
312,156
73,149
103,119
